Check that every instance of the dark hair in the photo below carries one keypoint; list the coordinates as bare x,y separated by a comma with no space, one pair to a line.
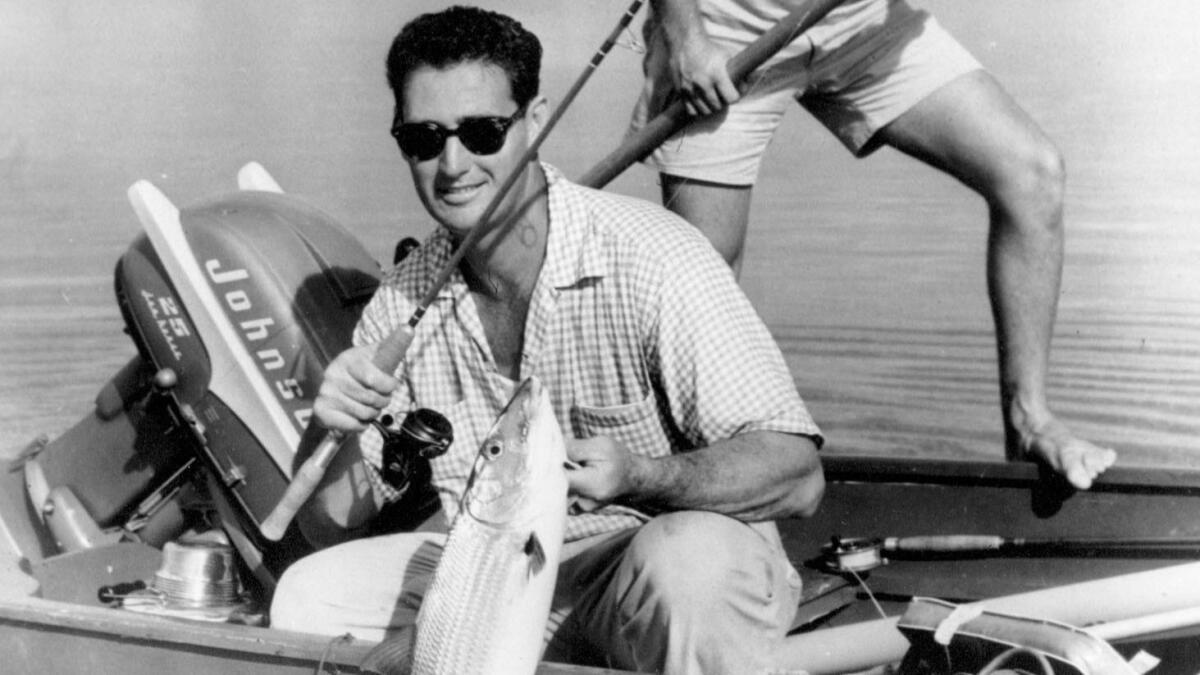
461,35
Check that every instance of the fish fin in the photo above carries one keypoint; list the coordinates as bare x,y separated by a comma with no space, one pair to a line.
536,553
393,656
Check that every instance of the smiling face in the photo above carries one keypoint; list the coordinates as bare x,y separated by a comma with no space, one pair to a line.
457,185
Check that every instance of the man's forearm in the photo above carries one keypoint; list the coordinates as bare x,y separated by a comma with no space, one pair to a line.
755,476
680,21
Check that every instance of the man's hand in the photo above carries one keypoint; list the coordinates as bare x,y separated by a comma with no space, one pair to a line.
758,475
696,65
604,469
353,392
700,76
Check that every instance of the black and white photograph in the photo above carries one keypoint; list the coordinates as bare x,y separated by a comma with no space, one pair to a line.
584,337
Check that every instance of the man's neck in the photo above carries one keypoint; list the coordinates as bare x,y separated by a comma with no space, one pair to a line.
505,263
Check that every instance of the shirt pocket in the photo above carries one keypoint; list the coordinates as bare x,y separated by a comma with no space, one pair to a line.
637,425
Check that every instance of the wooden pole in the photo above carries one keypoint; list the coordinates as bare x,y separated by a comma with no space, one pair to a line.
639,145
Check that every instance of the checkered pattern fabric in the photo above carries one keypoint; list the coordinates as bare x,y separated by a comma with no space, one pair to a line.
636,326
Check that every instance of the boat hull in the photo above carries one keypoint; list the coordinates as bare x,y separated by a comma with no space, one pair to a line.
839,626
45,636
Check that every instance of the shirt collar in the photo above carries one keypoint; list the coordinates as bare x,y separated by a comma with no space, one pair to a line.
573,252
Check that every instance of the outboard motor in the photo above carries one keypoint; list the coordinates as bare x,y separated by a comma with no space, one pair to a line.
236,306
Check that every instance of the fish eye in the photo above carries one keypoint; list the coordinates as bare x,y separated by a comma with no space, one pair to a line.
494,450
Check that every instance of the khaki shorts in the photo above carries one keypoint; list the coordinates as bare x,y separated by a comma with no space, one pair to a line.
856,71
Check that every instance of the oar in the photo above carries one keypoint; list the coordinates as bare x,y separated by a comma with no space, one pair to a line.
662,126
391,351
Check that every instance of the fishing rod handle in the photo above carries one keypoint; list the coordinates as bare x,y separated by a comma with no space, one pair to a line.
304,483
390,353
945,543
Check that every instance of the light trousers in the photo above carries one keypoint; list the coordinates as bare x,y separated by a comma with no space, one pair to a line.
688,592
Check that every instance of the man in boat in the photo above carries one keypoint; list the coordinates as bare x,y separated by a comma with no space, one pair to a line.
679,409
877,72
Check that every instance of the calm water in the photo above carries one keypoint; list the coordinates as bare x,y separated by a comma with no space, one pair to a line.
869,272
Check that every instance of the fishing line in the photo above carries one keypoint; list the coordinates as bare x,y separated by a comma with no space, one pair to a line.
345,638
629,39
632,43
863,583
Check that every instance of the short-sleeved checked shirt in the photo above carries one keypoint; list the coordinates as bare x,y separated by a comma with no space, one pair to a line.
636,326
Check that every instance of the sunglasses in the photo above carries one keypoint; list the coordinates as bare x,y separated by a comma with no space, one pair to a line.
479,135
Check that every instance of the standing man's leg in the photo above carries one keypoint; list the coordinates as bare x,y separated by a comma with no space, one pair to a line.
721,212
973,130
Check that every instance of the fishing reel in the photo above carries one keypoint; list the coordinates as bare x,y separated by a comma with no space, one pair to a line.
851,555
423,435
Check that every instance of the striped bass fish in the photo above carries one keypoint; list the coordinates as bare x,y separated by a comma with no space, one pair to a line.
486,610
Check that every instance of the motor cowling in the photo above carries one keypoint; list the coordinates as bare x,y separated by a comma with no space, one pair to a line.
285,285
236,305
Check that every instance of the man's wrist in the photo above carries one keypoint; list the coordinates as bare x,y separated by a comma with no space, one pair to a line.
649,482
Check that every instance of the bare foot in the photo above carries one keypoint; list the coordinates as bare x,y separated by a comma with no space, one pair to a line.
1077,460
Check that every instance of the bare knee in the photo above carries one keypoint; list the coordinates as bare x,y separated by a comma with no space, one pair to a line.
1047,172
1031,188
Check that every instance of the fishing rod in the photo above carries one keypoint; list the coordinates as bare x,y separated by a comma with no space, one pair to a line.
391,350
978,543
640,144
857,554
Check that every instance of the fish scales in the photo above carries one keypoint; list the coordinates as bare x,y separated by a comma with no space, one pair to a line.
486,610
462,623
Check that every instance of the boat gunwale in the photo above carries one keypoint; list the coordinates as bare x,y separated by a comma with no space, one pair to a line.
152,628
859,468
267,647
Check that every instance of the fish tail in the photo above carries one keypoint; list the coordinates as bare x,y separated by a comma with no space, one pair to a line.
393,656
